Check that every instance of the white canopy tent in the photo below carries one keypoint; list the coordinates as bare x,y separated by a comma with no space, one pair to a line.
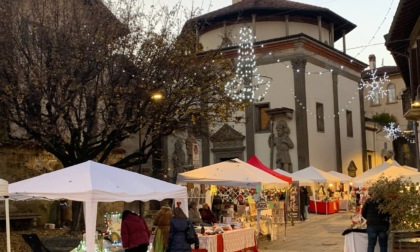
4,192
390,172
414,178
302,181
233,172
316,175
343,177
92,182
377,169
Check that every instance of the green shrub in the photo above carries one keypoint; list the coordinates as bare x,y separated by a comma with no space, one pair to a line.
401,199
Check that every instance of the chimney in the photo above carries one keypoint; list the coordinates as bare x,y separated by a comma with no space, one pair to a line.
372,61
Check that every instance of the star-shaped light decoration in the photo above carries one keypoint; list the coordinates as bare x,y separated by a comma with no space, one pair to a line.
375,85
392,131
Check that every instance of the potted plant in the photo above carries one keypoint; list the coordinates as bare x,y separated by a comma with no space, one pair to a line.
401,199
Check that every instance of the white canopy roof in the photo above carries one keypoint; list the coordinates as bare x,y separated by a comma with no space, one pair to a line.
232,173
377,169
316,175
343,177
302,181
414,177
390,172
93,182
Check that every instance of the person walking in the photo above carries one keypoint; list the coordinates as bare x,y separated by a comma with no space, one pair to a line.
135,234
377,224
177,233
162,221
193,213
303,203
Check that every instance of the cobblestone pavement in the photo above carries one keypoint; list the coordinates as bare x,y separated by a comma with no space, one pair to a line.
319,233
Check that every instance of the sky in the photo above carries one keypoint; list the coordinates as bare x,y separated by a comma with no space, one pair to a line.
373,19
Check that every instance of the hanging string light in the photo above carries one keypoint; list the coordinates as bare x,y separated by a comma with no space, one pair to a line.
247,85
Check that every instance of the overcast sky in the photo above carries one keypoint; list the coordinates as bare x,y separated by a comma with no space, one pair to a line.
373,19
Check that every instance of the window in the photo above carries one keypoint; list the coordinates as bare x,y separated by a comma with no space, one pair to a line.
320,117
375,97
349,123
263,120
391,93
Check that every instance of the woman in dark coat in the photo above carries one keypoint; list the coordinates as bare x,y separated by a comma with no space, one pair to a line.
177,233
135,234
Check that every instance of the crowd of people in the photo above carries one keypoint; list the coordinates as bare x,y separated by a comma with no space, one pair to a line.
170,228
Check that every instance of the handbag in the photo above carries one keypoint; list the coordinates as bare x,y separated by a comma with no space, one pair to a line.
190,233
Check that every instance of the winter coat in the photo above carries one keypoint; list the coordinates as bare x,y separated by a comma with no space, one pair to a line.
134,231
162,221
370,211
194,216
207,215
177,236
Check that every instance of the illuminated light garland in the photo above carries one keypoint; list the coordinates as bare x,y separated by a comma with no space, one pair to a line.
375,86
247,85
309,112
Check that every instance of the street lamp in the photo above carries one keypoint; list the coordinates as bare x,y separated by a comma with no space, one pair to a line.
414,114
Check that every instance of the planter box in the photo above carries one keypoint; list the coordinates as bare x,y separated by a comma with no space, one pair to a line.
406,241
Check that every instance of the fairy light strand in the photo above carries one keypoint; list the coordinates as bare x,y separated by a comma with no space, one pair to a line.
247,85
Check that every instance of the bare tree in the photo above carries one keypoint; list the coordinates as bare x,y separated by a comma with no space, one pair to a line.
77,81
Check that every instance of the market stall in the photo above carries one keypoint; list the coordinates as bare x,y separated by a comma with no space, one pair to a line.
234,240
344,194
321,196
92,182
240,176
390,172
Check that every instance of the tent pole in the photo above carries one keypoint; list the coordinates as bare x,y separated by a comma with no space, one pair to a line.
6,203
285,212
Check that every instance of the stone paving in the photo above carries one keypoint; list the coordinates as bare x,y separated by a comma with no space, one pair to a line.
319,233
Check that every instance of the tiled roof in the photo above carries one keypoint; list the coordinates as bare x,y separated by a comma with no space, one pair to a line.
273,8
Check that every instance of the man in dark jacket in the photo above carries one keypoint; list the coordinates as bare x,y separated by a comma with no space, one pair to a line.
377,225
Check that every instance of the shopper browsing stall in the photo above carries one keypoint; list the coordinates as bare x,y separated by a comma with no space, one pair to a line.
135,234
207,216
162,222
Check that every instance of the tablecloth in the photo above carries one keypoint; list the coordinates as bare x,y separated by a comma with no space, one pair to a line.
229,241
357,241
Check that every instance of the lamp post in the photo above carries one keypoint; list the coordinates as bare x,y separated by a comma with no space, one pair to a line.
414,114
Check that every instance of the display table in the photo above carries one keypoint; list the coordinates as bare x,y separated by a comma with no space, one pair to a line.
344,205
355,240
323,207
229,241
